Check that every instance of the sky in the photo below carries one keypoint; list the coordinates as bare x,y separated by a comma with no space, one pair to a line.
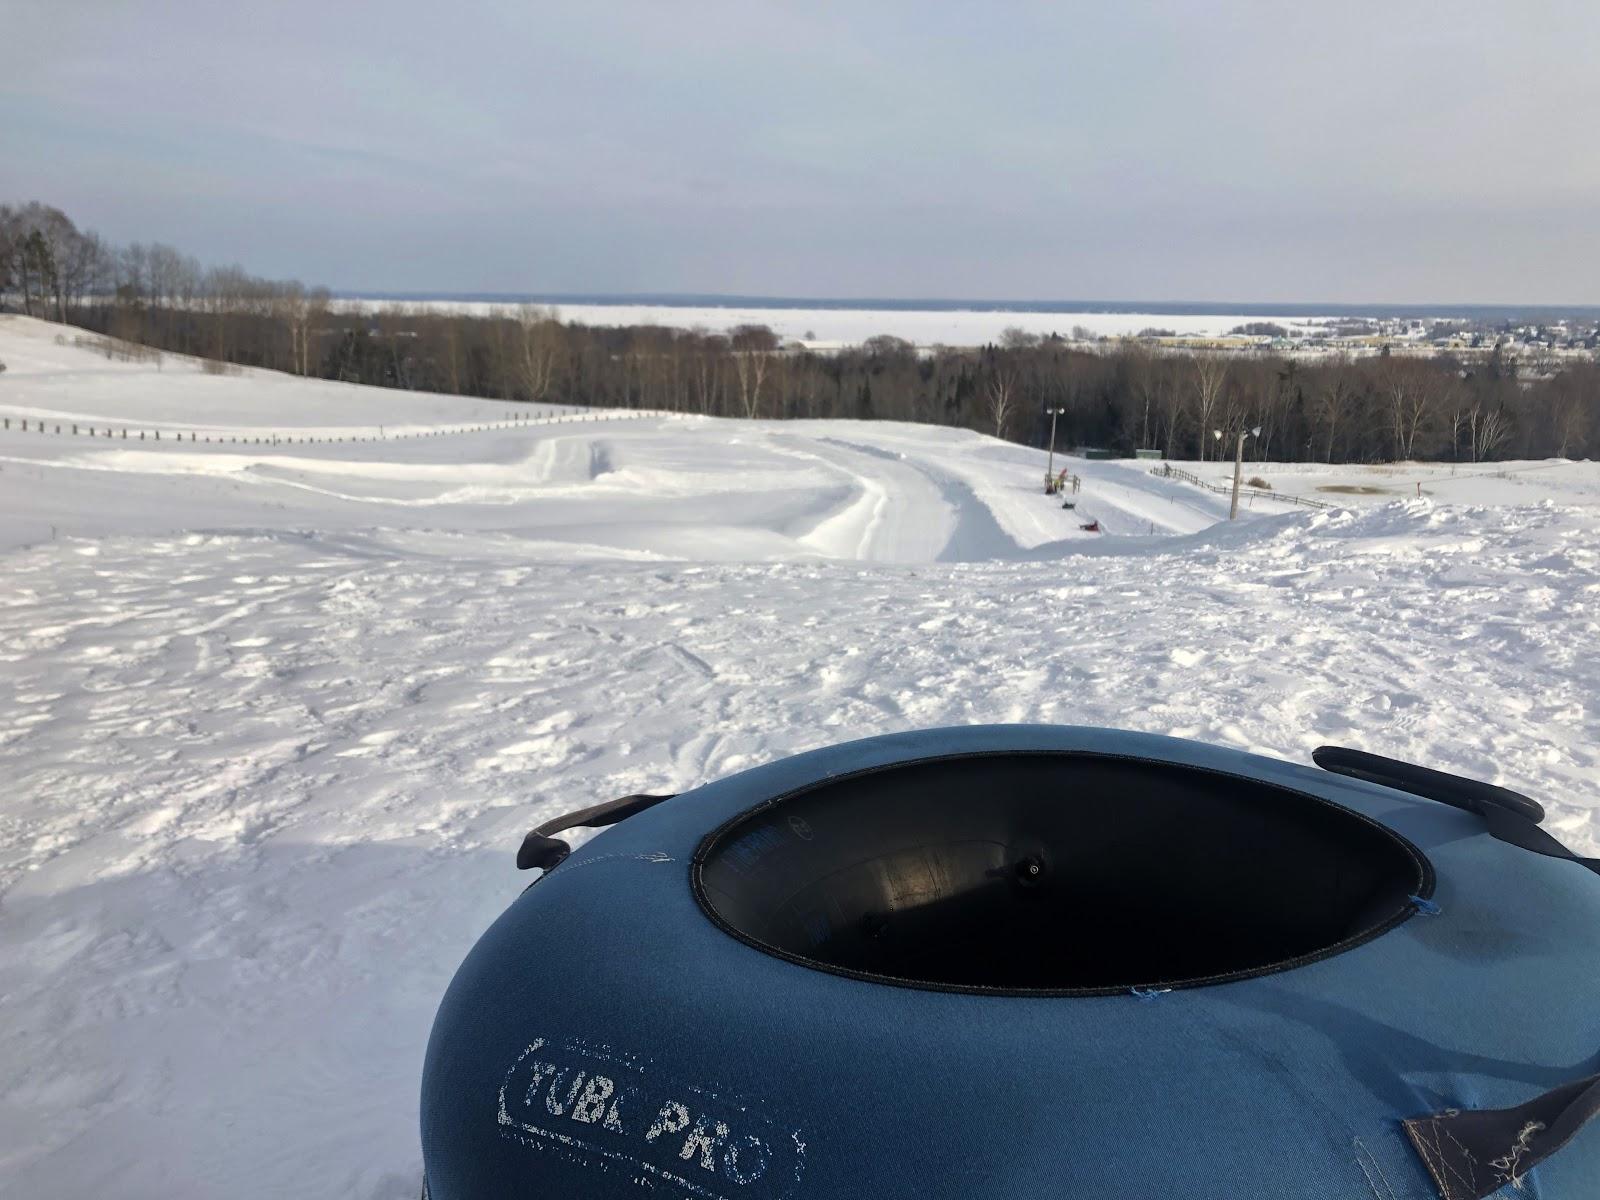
1402,151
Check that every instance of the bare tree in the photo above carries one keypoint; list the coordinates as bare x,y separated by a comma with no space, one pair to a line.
1169,417
395,323
1335,398
1543,361
1488,429
751,368
1145,381
1000,397
753,347
133,274
1414,391
84,268
706,371
1570,408
538,342
10,248
453,356
302,311
1210,374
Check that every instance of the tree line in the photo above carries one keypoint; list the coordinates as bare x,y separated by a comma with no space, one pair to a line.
1123,395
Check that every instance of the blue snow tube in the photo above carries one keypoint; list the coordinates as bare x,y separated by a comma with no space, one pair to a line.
1032,961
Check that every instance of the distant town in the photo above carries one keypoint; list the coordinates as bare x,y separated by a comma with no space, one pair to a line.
1539,349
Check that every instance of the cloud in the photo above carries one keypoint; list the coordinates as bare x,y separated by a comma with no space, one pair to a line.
1244,150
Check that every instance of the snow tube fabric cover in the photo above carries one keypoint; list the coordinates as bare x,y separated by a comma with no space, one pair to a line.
1030,961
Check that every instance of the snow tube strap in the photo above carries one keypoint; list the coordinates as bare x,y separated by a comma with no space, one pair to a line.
1509,816
540,850
1472,1154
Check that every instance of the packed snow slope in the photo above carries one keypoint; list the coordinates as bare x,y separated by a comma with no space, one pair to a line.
564,483
273,719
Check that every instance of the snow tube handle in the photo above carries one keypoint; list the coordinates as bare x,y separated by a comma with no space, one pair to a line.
1472,795
1508,816
540,850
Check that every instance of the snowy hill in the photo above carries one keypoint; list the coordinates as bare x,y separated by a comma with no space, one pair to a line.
568,483
273,718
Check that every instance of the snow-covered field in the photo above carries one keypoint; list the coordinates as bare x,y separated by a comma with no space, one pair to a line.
829,328
1496,483
273,719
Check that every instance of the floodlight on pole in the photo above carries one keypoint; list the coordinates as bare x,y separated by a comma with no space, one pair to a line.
1050,471
1238,466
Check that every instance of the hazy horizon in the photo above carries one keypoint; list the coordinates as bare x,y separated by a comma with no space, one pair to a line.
1359,155
1068,305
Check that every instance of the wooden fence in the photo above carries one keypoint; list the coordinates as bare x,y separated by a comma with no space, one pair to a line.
302,438
1168,471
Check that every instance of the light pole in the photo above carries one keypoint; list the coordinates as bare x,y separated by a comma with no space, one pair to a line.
1238,464
1050,471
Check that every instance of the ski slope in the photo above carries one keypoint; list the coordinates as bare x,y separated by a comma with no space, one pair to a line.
568,483
273,719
